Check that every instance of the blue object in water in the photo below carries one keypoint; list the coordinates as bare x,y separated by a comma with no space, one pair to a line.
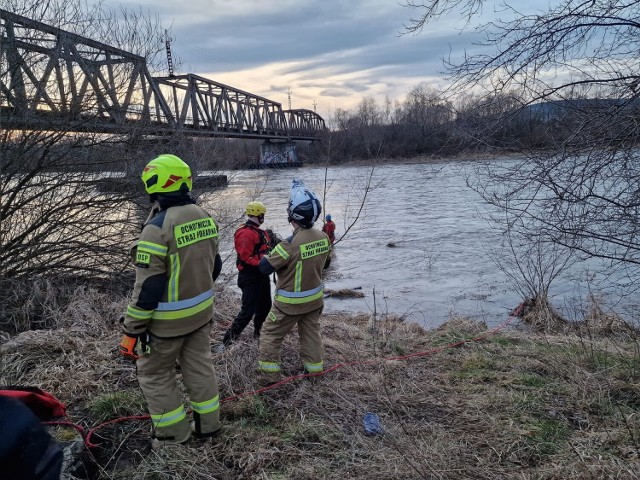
372,425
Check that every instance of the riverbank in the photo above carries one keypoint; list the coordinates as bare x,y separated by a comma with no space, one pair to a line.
476,403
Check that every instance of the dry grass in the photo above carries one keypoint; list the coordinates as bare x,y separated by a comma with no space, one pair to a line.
517,405
540,315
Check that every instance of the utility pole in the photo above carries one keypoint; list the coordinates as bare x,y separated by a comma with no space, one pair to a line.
289,92
167,44
314,105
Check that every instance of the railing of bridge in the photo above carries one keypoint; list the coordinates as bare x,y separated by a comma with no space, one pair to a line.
204,105
304,122
53,79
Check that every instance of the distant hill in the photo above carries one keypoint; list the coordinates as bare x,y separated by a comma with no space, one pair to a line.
555,108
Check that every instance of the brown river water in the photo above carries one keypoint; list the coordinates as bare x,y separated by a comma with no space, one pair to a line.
420,243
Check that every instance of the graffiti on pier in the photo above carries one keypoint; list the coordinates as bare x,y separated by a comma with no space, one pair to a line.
277,153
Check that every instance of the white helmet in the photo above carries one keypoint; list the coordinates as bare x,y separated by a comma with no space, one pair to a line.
304,207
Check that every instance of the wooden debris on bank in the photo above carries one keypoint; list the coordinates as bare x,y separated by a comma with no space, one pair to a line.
344,293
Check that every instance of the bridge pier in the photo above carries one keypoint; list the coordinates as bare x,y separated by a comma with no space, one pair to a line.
278,154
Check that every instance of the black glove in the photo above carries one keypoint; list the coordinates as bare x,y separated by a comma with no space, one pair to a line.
274,238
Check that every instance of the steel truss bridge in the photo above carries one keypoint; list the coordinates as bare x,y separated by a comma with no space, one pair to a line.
51,79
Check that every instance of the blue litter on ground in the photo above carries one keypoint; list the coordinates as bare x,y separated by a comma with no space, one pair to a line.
372,424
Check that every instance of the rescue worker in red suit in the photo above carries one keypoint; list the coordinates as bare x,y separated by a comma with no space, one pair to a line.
298,262
251,243
330,229
171,308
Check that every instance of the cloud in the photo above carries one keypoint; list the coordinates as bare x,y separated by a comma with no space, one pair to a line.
335,92
333,52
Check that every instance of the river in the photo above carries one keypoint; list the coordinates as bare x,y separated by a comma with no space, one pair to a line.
421,245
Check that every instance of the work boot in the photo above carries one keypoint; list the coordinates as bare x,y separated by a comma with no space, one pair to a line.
158,443
228,338
203,436
312,378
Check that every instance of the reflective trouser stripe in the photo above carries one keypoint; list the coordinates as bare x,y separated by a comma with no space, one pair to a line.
206,406
270,367
313,367
169,418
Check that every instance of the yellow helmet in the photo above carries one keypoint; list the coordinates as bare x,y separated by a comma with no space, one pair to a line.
255,209
166,173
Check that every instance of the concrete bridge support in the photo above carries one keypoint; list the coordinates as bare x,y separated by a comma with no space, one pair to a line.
279,154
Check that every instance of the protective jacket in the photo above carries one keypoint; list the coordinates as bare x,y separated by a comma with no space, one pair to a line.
251,243
176,262
299,261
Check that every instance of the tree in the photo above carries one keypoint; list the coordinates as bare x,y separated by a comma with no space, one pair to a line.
55,220
326,153
481,121
577,63
425,117
363,130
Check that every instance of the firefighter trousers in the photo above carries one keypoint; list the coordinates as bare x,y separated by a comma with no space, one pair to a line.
276,327
157,379
256,303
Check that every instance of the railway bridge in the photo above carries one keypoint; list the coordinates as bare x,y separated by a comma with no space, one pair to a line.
52,79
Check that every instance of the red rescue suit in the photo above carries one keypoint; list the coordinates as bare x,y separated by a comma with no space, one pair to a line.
251,243
330,229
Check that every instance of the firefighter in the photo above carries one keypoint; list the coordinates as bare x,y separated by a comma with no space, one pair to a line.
251,243
330,229
298,261
171,309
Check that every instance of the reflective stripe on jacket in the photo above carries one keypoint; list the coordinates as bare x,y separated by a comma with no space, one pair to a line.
175,258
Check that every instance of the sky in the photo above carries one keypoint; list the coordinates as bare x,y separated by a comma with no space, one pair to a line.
329,54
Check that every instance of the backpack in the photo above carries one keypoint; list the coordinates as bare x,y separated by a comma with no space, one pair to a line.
44,405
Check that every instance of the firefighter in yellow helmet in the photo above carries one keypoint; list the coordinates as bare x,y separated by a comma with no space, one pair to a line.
251,243
298,262
171,309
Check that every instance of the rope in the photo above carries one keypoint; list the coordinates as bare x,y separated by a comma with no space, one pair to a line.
515,313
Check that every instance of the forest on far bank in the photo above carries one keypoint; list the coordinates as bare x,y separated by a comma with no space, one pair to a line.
425,123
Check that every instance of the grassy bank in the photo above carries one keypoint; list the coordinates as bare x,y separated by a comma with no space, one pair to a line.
517,404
